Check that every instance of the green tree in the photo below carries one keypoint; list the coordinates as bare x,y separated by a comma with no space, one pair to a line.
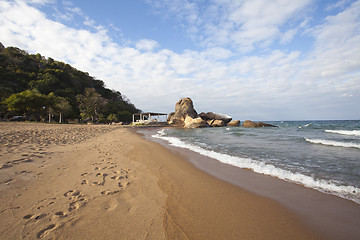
112,117
4,93
91,104
124,116
29,102
20,71
58,105
45,84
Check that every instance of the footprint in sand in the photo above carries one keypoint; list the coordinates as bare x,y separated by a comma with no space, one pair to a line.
46,231
9,164
41,216
7,182
28,216
72,193
42,203
108,177
24,172
77,199
108,192
41,224
61,214
115,177
34,218
77,204
110,205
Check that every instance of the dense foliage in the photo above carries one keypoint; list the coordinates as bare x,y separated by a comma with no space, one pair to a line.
39,88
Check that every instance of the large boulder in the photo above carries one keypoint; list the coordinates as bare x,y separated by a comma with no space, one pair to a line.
194,122
170,116
234,123
251,124
216,123
215,116
183,108
262,124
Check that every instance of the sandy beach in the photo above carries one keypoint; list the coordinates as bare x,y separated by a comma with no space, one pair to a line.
107,182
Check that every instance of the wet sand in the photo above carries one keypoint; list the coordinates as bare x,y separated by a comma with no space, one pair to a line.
106,182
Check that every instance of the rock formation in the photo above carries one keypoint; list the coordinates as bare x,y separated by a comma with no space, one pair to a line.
186,115
235,123
261,124
194,122
215,123
183,108
170,116
215,116
251,124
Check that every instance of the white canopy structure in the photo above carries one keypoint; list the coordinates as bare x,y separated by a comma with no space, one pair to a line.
147,117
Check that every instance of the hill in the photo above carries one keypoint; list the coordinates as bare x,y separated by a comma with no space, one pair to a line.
55,87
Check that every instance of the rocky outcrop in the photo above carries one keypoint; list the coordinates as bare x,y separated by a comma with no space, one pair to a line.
215,123
251,124
261,124
183,108
235,123
194,122
170,116
186,115
215,116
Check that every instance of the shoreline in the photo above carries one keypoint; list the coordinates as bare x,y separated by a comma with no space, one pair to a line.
106,182
235,213
333,216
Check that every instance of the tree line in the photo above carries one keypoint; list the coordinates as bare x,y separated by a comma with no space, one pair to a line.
44,89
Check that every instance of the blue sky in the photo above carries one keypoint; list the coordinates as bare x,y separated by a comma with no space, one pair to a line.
251,59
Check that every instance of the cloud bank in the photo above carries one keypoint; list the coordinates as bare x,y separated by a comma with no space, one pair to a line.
242,66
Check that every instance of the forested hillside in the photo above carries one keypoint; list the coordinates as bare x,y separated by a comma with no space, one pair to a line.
40,88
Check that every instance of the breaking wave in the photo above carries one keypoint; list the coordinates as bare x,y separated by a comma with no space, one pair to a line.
333,143
325,186
345,132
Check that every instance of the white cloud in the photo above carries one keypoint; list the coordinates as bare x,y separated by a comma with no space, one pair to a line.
40,2
288,36
257,22
339,4
242,25
185,10
147,44
337,48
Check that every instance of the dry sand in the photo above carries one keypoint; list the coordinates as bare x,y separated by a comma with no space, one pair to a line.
106,182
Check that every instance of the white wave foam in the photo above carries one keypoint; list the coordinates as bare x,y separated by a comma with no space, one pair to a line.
333,143
345,132
348,192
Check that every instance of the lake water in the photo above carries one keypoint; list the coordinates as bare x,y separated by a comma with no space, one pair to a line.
323,155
